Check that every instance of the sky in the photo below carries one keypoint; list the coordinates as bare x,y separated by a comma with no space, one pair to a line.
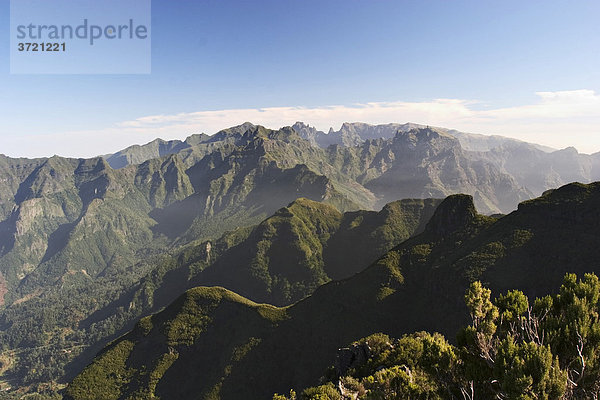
523,69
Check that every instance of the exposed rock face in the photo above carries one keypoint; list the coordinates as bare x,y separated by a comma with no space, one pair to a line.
351,357
351,134
309,133
431,163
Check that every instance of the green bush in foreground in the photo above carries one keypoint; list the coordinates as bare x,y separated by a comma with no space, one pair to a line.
512,349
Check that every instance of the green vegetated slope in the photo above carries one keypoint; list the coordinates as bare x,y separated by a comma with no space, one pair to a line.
76,234
417,286
284,258
208,313
281,260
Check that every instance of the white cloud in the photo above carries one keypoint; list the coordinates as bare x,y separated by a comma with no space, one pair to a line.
557,119
321,117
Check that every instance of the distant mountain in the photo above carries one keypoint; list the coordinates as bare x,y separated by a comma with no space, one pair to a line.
539,170
534,167
212,343
423,162
353,134
430,163
138,154
478,142
522,169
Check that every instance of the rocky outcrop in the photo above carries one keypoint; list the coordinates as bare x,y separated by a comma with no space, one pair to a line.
351,357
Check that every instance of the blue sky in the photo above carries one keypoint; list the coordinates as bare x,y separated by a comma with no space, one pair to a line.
528,69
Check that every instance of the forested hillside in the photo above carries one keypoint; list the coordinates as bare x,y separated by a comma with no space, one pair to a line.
419,285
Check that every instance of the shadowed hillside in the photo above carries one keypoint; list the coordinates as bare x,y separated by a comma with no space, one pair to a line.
419,285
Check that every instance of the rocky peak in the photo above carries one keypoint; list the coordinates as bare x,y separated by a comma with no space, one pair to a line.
234,132
352,357
454,213
425,134
196,139
308,132
430,140
300,126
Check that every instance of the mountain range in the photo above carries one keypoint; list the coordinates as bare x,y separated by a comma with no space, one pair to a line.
89,246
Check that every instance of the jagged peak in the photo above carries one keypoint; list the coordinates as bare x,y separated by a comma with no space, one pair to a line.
302,128
301,124
238,129
244,131
57,161
455,212
99,163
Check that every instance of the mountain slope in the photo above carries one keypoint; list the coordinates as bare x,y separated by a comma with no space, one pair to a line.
306,244
430,163
196,320
539,170
417,286
78,234
138,154
419,162
352,134
280,260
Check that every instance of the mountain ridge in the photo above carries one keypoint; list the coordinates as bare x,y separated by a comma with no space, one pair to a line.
420,283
